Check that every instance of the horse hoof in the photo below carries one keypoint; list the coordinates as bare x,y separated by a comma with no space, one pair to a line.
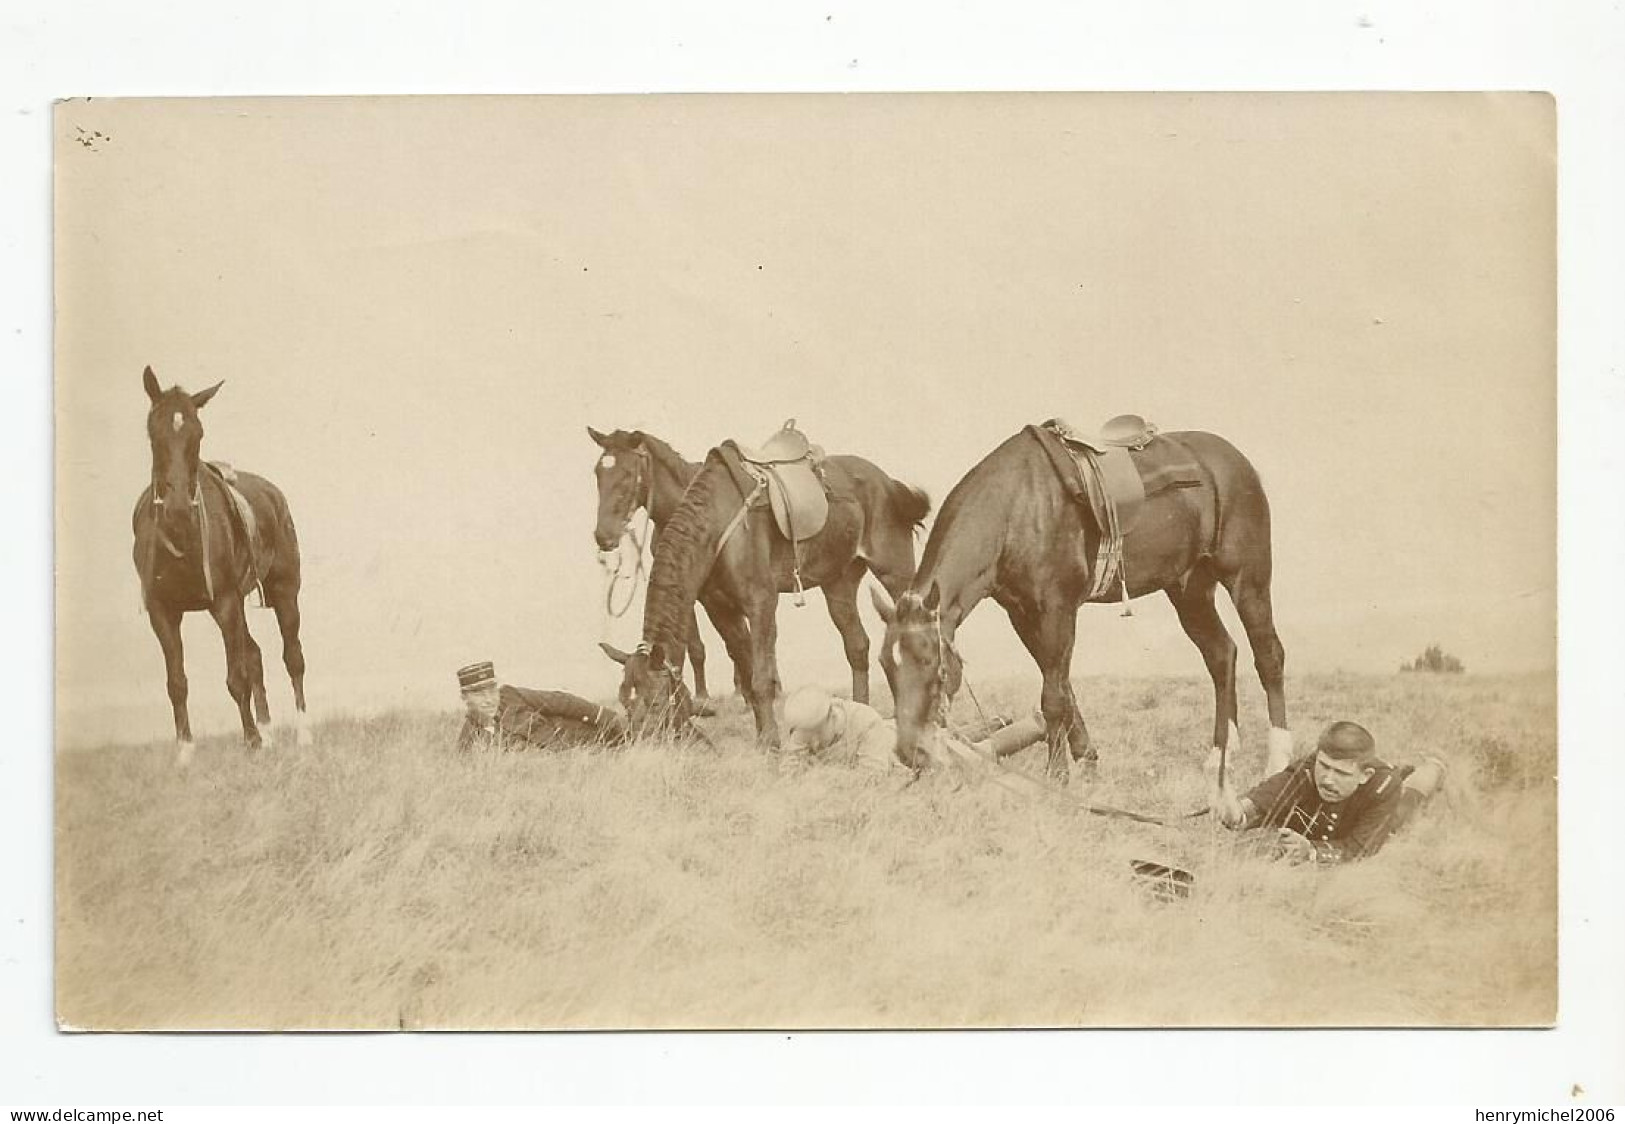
183,754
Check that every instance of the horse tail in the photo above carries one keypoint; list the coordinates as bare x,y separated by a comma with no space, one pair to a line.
910,504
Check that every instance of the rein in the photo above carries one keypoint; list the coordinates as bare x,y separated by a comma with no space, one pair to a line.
617,578
162,536
645,483
944,646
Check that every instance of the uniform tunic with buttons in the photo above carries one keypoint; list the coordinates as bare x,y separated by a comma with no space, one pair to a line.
1349,829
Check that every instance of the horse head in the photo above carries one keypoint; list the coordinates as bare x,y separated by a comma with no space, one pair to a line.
625,483
176,436
652,691
922,667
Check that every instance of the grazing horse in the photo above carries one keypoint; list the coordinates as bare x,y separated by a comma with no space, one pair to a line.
727,552
638,470
196,548
1009,530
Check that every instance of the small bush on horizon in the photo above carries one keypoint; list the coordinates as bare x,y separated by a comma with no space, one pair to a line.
1435,659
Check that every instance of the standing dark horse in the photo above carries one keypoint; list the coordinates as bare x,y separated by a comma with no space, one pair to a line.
1009,530
196,548
638,470
730,556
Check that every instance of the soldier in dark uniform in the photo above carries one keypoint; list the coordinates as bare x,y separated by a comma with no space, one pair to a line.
1337,804
504,717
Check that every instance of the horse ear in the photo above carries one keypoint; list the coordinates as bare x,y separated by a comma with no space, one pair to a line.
201,398
150,382
933,598
602,441
615,654
883,603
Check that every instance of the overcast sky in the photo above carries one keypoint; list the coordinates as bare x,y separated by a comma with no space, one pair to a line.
418,305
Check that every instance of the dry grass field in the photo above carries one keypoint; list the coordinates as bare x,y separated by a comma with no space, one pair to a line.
378,881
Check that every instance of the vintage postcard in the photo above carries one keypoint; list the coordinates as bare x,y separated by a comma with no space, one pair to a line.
806,561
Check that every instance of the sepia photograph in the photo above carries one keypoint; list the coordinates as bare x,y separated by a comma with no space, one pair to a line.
871,561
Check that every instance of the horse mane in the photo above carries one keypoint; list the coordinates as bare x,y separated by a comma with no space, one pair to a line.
683,541
661,451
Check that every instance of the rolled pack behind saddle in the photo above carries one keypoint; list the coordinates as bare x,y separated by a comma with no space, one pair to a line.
1112,475
788,470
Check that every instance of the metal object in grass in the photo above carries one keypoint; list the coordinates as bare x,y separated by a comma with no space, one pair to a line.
1166,883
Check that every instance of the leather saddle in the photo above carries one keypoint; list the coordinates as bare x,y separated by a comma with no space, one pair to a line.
1100,472
1106,462
788,465
1125,431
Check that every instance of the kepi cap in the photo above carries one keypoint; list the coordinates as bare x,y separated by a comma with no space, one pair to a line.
477,675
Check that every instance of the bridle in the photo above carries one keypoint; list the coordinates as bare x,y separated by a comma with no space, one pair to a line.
669,671
940,675
644,480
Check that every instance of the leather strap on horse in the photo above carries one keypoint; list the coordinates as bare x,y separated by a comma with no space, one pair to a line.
150,555
795,554
737,468
202,506
1109,554
236,505
739,517
1080,476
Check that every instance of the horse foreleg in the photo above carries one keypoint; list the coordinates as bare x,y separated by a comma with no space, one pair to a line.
285,602
731,625
1201,622
841,599
696,654
166,625
1049,635
764,667
229,615
1251,595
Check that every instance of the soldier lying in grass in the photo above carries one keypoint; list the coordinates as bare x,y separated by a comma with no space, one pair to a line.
1339,803
504,717
833,728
